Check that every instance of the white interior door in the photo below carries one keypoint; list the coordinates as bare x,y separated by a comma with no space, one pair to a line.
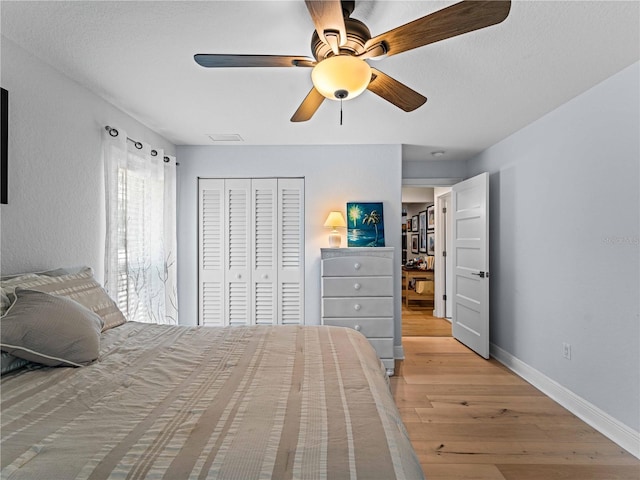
470,259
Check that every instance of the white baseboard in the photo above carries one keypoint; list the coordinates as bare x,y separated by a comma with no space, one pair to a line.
398,352
619,433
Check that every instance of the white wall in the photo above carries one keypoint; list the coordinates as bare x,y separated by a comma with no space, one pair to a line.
333,176
55,215
564,253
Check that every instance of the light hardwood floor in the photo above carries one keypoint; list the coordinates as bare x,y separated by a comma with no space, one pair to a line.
419,321
471,418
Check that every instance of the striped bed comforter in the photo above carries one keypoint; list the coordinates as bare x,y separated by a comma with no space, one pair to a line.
176,402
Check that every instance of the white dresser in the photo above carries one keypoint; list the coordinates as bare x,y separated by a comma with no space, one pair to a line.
357,292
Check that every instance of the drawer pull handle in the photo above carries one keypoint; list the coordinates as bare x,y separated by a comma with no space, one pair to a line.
357,328
356,266
238,276
265,276
357,307
357,286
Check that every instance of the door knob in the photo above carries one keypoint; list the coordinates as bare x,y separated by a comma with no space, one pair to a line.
480,274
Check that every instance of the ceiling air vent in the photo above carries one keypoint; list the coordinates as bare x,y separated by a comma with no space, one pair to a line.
225,137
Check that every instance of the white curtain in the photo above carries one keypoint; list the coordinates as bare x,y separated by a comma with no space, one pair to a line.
140,253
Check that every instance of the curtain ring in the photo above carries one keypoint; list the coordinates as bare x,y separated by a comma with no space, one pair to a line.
154,153
138,145
112,131
167,159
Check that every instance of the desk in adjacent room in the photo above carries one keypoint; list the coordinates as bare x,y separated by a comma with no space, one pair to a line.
417,274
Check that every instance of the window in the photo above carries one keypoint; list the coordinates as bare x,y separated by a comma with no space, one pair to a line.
140,246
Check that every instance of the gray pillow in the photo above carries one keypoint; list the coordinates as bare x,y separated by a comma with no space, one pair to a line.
58,272
51,330
9,363
78,285
7,287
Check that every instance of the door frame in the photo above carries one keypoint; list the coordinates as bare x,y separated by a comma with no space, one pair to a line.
443,276
440,275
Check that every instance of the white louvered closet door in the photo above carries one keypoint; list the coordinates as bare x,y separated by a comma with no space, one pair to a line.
290,250
211,257
264,255
251,251
237,207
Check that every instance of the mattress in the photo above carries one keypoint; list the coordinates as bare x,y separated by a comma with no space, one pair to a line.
177,402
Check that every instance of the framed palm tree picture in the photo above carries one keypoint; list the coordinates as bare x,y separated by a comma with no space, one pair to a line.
365,224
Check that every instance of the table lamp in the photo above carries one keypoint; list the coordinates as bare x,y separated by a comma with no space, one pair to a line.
335,220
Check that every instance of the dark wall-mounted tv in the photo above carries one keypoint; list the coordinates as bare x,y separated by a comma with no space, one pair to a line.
4,141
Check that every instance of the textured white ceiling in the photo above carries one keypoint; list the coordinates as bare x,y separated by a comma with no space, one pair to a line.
481,87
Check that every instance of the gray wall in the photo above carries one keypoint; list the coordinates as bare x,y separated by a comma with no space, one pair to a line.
433,169
55,215
334,175
564,253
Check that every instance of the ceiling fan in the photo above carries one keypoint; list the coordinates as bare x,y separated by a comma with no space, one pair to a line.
341,45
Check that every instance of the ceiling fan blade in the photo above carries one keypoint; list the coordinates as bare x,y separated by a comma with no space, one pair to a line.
328,19
457,19
395,92
213,60
308,106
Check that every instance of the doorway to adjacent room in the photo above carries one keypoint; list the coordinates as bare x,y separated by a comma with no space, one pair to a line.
424,271
462,256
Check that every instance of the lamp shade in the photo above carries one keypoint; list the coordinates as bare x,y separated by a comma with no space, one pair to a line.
341,77
334,220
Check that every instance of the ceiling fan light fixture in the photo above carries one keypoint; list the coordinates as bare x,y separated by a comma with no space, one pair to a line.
341,77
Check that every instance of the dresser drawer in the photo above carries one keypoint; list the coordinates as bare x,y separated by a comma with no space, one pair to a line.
357,286
369,327
383,346
355,265
357,307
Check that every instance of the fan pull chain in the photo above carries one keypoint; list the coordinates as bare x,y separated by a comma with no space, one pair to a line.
341,95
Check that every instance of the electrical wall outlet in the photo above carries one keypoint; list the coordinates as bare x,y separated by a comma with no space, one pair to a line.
566,350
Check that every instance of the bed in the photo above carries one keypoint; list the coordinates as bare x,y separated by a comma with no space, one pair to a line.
176,402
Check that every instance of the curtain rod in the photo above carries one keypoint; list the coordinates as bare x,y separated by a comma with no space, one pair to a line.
114,133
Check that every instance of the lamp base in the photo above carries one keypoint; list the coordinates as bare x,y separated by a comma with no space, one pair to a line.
335,239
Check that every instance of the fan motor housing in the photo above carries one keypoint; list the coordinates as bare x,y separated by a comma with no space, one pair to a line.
357,35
